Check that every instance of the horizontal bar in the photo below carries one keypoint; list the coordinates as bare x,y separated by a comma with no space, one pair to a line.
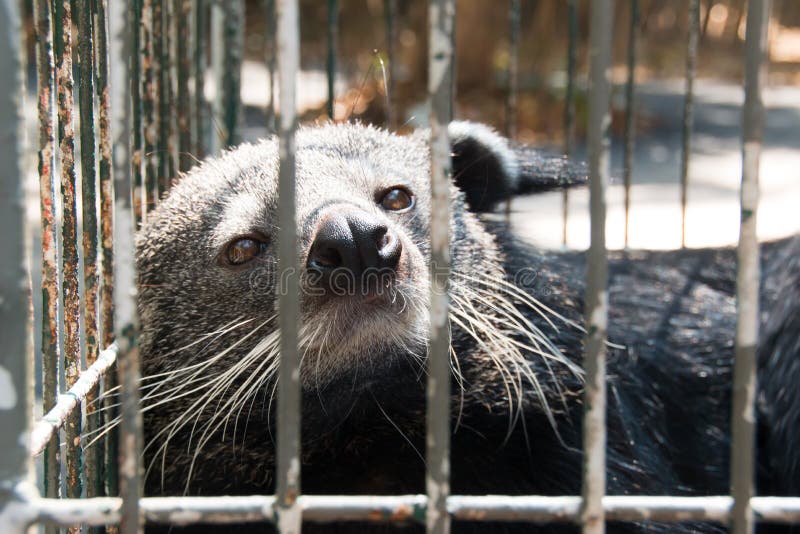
322,508
46,427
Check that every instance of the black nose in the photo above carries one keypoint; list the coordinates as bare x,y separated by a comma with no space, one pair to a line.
349,243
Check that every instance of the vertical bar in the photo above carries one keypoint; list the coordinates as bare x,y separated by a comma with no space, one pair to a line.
148,107
390,11
269,49
47,188
289,514
514,16
233,35
130,448
15,390
161,60
93,457
747,278
441,17
200,22
596,314
183,12
569,104
106,321
630,111
136,139
333,39
688,109
69,233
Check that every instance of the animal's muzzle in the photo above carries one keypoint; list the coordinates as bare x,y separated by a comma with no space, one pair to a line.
353,252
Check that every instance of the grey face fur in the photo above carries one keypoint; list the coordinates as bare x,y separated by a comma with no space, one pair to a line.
188,292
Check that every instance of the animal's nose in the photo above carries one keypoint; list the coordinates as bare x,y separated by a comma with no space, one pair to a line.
349,243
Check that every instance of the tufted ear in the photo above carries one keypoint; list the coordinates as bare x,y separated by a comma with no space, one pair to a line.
488,169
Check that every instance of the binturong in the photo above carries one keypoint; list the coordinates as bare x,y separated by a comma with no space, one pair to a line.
208,286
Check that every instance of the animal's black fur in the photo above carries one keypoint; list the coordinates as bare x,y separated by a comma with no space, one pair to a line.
669,372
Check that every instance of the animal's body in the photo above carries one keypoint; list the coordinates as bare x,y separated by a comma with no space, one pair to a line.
207,277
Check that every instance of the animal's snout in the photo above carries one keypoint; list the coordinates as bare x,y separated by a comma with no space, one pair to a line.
350,243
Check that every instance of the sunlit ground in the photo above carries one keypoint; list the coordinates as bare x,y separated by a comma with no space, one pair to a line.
714,174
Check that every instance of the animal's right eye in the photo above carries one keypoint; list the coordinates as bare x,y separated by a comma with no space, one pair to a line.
243,250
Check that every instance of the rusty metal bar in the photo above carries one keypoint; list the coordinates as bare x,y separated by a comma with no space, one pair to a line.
162,61
743,425
596,313
45,429
182,10
93,459
199,24
269,50
390,12
16,394
69,233
231,87
138,194
630,111
441,52
106,449
45,68
569,105
148,106
324,508
514,21
688,109
330,64
287,509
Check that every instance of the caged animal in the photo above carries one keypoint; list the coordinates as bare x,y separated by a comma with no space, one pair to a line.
209,342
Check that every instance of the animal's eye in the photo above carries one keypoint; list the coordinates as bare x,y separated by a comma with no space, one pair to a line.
243,250
397,199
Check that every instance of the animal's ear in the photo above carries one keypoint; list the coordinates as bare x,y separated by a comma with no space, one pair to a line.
488,169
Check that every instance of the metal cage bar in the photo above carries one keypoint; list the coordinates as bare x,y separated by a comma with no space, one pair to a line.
630,111
288,511
747,279
15,306
569,106
441,21
596,313
332,35
688,109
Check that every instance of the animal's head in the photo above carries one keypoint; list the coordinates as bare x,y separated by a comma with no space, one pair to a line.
207,259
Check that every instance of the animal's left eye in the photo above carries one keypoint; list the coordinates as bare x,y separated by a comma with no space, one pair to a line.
397,199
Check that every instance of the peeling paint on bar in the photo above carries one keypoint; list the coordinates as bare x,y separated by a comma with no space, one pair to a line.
138,195
405,508
688,109
44,430
199,23
743,425
596,312
15,304
333,39
233,37
270,48
69,225
569,105
182,11
45,68
630,110
92,459
287,508
148,106
441,20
